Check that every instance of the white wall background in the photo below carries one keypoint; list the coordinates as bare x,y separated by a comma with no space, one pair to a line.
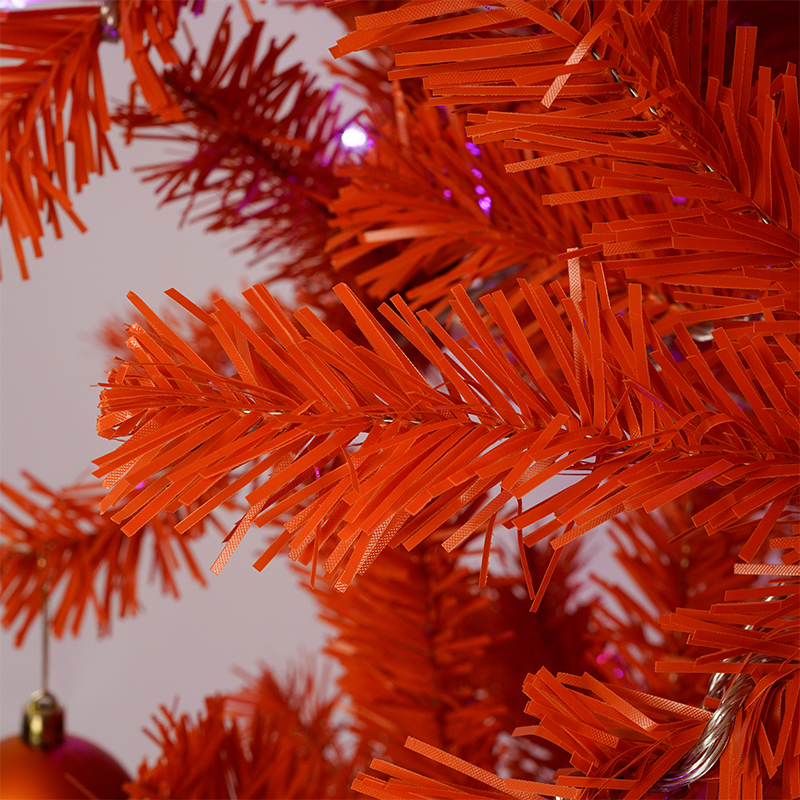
184,649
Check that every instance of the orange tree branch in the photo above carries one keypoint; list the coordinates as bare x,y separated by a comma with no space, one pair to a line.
264,145
426,653
418,220
629,743
634,99
671,564
58,542
271,739
52,65
145,25
645,429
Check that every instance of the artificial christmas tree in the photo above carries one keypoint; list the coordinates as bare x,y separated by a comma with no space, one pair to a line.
570,247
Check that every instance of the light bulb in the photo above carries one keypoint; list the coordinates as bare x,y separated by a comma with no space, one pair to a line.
354,136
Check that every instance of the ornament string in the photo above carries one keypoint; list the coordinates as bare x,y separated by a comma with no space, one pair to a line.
41,563
45,643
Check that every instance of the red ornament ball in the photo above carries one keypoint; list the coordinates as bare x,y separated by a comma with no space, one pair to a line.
75,768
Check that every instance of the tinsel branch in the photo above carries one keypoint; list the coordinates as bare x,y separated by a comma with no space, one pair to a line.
51,68
754,636
426,653
426,211
626,743
670,564
633,99
57,542
647,430
145,25
272,739
54,67
629,209
112,336
261,147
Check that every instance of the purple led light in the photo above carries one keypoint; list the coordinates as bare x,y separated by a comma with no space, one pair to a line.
485,204
480,190
477,173
473,148
447,193
679,200
617,672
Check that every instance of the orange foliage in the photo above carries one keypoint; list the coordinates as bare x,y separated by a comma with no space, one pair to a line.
426,653
53,66
639,744
670,564
646,431
267,165
638,326
271,739
58,543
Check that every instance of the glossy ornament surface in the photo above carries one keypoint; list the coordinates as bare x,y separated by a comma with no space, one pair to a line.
76,768
44,764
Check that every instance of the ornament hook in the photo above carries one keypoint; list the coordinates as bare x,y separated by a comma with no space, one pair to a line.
43,719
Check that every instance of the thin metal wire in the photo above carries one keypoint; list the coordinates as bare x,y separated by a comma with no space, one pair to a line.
45,643
705,754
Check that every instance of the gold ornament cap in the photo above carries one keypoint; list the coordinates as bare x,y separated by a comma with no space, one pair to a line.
43,720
